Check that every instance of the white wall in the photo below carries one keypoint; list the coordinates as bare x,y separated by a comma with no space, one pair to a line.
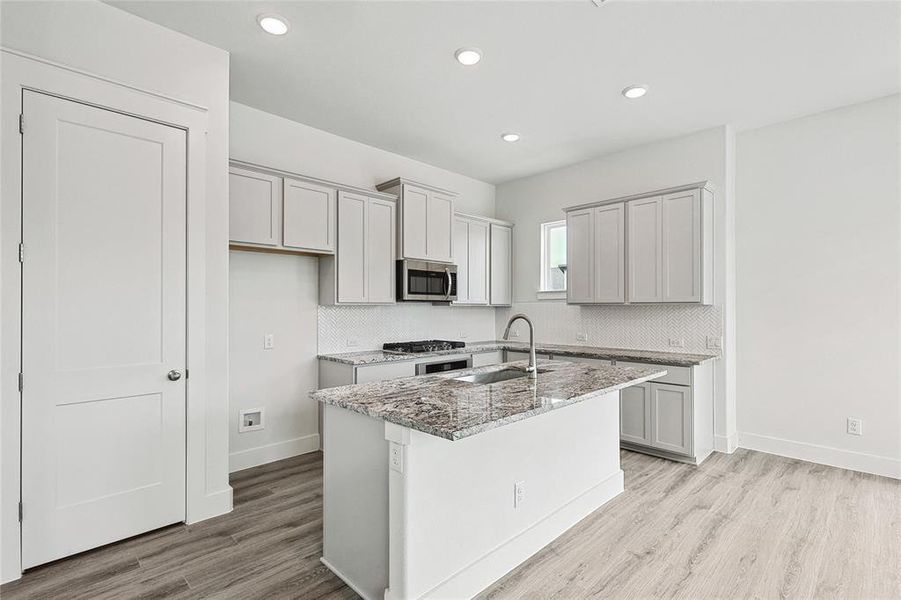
272,294
108,42
818,287
285,287
530,201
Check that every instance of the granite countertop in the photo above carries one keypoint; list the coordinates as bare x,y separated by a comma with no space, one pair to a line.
444,407
680,359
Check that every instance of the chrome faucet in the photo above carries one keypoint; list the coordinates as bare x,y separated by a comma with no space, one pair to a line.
531,370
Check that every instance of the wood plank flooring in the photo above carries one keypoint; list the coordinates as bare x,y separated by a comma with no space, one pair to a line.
747,525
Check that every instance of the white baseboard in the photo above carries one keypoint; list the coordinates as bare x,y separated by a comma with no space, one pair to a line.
725,443
254,457
345,579
825,455
484,571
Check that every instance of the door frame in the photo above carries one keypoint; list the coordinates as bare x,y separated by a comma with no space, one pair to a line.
21,72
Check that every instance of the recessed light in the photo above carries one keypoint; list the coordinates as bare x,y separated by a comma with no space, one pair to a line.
635,91
468,56
510,137
273,24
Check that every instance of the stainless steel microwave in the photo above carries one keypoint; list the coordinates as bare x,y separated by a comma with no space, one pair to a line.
426,281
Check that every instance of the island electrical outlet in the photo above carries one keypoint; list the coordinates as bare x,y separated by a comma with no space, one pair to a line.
519,493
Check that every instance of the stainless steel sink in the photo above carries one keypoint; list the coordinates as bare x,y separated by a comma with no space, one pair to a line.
493,376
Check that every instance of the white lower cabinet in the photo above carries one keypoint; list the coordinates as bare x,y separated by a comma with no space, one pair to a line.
671,418
635,414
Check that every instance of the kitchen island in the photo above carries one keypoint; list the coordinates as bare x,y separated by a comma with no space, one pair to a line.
438,485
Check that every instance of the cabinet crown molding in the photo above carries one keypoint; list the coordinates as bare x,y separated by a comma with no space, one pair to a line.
472,217
387,185
706,185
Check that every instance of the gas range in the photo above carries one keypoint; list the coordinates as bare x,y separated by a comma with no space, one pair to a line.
421,346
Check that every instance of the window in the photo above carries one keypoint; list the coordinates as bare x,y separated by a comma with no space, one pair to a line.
553,256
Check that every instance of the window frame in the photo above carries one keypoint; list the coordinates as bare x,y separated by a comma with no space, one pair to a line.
544,251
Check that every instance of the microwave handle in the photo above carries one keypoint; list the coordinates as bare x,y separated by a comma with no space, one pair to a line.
449,283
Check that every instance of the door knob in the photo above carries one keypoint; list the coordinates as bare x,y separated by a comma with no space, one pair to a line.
173,375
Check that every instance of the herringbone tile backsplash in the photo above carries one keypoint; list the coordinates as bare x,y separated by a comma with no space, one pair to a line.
645,327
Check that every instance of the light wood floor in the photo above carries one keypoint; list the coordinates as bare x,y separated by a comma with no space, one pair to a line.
749,525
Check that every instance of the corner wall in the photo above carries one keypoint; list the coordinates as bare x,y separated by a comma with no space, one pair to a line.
819,268
279,294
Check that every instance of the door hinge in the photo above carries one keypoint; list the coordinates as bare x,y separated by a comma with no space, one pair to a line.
21,382
21,122
20,512
22,252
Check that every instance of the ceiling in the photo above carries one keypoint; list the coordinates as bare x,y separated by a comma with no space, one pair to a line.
383,73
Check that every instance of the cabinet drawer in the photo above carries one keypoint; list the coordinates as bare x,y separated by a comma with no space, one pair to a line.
674,375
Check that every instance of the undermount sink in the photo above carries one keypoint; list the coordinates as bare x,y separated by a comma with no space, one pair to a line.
493,376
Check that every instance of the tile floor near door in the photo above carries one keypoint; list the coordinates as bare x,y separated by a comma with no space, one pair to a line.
747,525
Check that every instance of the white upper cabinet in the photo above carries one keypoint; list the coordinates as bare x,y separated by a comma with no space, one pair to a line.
362,270
579,255
644,250
596,255
680,242
648,248
425,220
501,265
308,216
471,241
253,207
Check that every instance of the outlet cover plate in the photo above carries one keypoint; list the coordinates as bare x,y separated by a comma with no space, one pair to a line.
855,426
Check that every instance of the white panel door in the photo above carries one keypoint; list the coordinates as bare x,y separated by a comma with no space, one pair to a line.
253,207
478,266
681,246
103,321
461,258
415,206
610,253
439,224
380,236
579,255
635,414
308,216
351,247
644,250
501,287
671,418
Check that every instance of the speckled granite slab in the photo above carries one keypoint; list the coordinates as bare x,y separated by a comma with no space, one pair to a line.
679,359
445,407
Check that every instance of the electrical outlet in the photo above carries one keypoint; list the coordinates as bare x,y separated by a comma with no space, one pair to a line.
514,332
250,419
581,337
677,342
396,456
714,343
462,335
855,426
351,343
519,493
269,341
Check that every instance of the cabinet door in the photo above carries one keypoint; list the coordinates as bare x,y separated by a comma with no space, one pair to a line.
351,258
253,207
644,250
579,255
635,414
461,258
681,246
478,266
308,216
439,227
609,253
501,261
415,207
671,418
380,236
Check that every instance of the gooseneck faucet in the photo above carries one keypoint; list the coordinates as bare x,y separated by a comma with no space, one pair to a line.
531,370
